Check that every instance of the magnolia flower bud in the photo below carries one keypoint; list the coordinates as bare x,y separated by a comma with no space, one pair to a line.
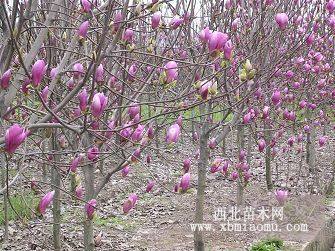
155,19
281,20
83,29
185,182
45,202
14,137
173,134
37,72
281,196
150,185
90,208
99,104
5,78
171,71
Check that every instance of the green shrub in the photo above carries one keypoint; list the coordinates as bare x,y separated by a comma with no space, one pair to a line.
24,206
272,244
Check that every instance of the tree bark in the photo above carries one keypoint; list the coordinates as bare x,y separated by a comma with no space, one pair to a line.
268,171
56,183
89,194
202,167
240,146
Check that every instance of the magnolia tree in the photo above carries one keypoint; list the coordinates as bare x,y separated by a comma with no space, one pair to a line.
93,88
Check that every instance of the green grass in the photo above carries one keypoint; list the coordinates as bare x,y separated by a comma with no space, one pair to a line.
24,206
272,244
190,114
114,222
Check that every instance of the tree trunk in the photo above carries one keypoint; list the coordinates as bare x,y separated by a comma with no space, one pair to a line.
268,171
310,150
56,182
89,194
240,146
202,167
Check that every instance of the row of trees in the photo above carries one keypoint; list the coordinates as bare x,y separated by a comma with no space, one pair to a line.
89,85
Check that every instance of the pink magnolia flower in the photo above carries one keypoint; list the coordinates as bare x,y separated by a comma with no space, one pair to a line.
217,41
180,120
155,19
171,71
212,143
53,73
99,73
247,118
90,208
130,203
205,89
215,166
136,155
281,196
276,97
82,96
266,112
24,87
133,110
235,24
195,136
302,104
5,78
322,141
117,21
79,192
176,22
261,145
310,39
125,171
148,159
138,133
185,181
173,134
228,49
137,118
99,104
150,132
126,131
150,185
128,35
86,5
70,84
330,6
45,202
78,70
14,137
33,185
331,23
132,72
246,176
44,94
75,162
228,4
205,35
187,165
281,20
234,175
242,155
291,141
83,29
37,72
93,153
